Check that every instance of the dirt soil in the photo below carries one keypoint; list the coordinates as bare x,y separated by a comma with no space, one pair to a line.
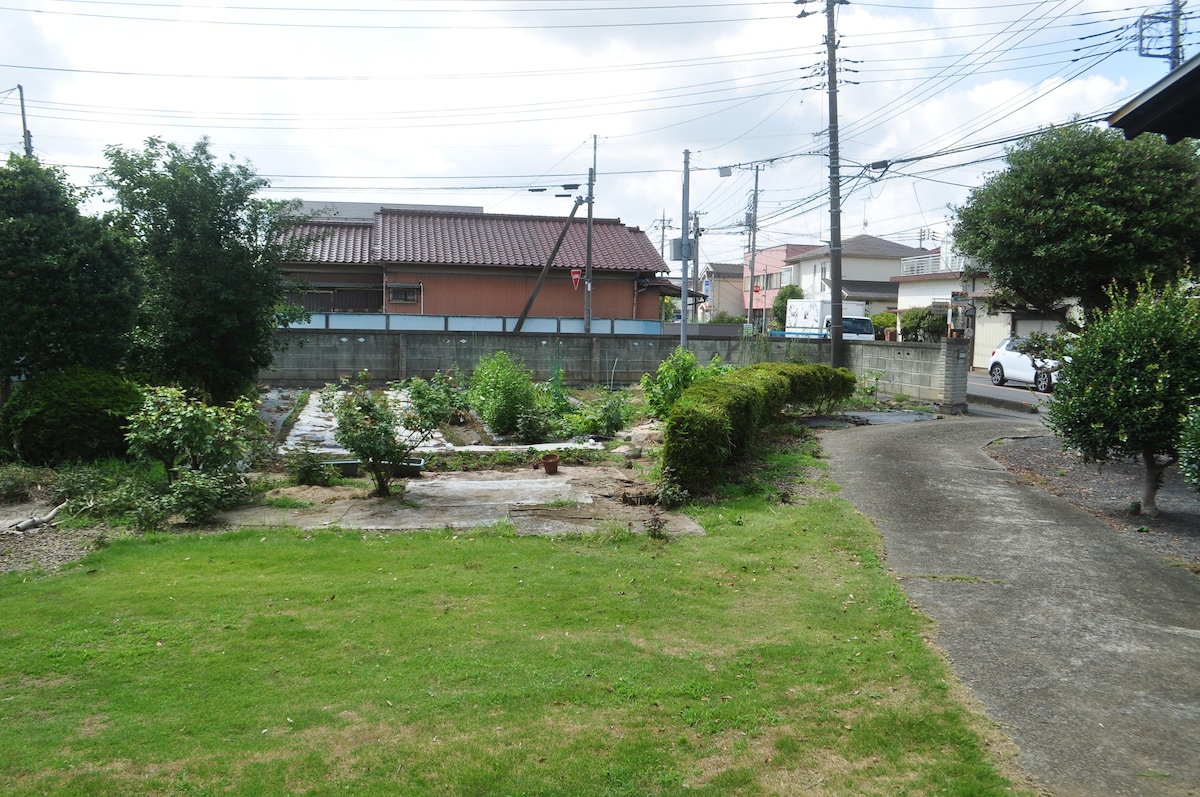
576,499
1107,491
573,500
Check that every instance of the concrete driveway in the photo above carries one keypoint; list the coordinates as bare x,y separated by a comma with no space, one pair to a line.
1085,648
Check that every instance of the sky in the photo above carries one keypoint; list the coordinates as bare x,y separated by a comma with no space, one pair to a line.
481,103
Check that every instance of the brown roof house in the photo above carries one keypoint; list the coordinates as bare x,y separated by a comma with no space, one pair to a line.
410,262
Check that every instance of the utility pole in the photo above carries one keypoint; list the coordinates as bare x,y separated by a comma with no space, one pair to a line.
754,248
1176,34
836,356
587,276
684,245
25,127
1150,22
696,258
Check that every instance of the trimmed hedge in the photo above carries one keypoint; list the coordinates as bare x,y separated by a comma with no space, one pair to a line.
718,417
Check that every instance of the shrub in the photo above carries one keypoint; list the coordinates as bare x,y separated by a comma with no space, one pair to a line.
440,400
305,466
184,433
674,375
199,495
717,418
375,427
73,415
725,317
19,483
921,323
883,321
501,389
605,416
1189,449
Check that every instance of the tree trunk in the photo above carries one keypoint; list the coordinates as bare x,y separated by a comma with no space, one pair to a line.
1154,477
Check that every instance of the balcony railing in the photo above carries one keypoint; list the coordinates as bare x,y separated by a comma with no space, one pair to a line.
934,264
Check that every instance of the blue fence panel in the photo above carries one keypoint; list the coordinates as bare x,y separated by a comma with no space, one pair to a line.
629,326
406,322
461,323
371,321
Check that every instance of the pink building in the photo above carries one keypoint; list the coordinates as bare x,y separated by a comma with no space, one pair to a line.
771,273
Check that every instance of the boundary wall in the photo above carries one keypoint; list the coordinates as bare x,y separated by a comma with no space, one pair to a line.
935,372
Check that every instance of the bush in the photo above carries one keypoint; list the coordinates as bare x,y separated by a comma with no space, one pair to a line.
1189,449
674,375
19,483
921,323
375,427
883,321
199,495
605,416
305,466
717,418
184,433
112,490
74,415
725,317
440,400
501,390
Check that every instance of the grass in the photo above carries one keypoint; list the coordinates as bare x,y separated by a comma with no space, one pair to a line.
775,655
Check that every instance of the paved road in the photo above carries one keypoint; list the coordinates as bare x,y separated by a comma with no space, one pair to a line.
1083,646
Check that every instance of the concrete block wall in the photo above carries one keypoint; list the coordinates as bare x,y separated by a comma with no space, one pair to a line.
928,371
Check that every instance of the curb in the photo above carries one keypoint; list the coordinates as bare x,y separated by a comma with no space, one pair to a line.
1012,405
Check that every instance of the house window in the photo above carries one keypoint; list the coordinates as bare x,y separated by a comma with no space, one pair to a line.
404,294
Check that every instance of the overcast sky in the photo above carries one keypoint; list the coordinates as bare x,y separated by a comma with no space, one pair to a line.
474,103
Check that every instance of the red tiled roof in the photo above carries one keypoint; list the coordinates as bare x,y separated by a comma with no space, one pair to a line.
337,241
431,237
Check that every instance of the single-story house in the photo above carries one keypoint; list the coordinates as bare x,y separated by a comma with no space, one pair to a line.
463,262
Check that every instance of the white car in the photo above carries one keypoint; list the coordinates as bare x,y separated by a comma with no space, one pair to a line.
1009,365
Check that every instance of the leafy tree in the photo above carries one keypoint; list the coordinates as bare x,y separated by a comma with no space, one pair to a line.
779,306
211,254
376,427
68,282
1079,208
1129,380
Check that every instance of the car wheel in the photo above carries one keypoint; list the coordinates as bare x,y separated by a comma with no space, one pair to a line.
1043,381
997,372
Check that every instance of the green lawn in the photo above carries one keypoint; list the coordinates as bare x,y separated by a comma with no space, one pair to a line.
772,656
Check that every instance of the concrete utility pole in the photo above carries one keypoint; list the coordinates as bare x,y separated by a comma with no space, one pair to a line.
684,245
1148,23
25,127
587,275
754,250
836,354
1176,34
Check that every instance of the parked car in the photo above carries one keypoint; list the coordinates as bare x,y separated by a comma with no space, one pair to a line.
1009,365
